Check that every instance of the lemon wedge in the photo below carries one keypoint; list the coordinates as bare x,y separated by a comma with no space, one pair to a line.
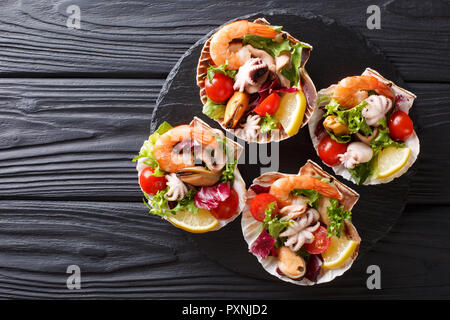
338,252
291,111
392,159
200,222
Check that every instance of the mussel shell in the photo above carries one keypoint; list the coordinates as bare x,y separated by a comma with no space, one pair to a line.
198,176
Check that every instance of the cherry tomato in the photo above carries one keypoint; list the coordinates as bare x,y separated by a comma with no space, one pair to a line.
268,105
259,205
228,208
400,126
149,183
220,88
321,242
330,149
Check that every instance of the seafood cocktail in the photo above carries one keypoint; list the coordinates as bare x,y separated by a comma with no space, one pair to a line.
361,128
253,81
189,176
299,226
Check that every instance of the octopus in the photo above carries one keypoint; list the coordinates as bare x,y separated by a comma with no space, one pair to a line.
376,109
301,230
250,128
294,210
251,76
357,152
274,65
177,188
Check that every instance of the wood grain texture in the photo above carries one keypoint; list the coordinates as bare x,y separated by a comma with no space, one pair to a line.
74,138
68,191
124,253
146,38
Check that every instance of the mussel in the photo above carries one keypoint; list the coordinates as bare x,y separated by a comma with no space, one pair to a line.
236,108
291,264
199,176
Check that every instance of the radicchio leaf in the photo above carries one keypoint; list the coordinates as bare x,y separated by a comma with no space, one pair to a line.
313,267
259,189
209,197
267,88
286,90
263,245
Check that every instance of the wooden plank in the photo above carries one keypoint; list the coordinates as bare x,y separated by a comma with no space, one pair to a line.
432,114
145,39
74,138
124,253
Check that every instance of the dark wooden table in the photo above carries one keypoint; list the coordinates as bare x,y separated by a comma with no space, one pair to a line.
76,104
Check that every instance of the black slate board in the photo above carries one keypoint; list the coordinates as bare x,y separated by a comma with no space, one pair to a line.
338,52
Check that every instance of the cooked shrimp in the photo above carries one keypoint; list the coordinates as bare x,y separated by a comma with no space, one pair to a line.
220,50
350,91
171,160
282,188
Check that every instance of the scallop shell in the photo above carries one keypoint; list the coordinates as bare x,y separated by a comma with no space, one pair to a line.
308,88
405,103
238,184
251,228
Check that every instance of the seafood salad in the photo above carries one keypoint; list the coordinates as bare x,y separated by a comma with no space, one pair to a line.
299,226
253,81
361,128
189,176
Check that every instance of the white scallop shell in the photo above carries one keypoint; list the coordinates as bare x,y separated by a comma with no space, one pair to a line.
238,184
405,105
251,228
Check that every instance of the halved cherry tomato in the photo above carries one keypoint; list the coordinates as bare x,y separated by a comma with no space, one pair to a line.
329,150
268,105
149,183
259,205
228,208
220,88
400,126
321,242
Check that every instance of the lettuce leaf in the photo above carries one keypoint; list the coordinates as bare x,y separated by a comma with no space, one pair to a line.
383,140
296,59
186,204
228,172
311,194
352,118
273,48
214,110
159,205
222,69
337,216
274,225
147,149
268,123
362,171
345,138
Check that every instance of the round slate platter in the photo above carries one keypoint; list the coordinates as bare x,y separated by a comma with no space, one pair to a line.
338,52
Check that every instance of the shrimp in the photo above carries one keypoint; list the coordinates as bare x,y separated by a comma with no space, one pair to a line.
351,91
282,188
220,49
170,160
